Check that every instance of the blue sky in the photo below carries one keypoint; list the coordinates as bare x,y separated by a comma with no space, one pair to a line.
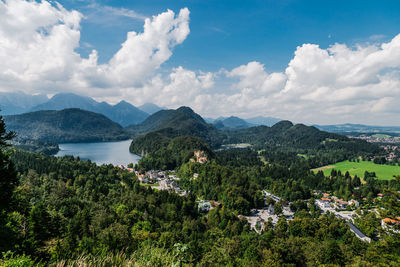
228,33
310,61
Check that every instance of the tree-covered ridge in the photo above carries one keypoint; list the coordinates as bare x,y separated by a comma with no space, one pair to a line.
180,122
68,125
165,153
281,143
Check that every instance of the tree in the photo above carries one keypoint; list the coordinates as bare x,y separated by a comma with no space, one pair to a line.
8,177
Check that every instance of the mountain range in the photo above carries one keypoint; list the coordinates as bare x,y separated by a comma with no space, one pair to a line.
284,135
18,102
68,125
123,113
233,122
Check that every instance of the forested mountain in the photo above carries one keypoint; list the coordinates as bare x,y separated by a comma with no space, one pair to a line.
18,102
122,113
237,123
180,122
68,125
231,123
150,108
286,134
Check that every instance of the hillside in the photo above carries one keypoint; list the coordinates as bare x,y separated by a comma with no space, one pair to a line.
122,113
150,108
180,122
17,102
69,125
231,123
162,152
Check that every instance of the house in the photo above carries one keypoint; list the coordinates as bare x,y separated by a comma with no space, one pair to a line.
204,206
388,223
195,176
354,202
341,204
271,209
317,192
324,203
326,195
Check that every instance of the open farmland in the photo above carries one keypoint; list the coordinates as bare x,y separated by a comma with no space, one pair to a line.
383,172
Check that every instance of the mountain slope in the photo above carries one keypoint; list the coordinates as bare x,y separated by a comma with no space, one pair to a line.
232,123
18,102
69,125
150,108
285,136
180,122
122,113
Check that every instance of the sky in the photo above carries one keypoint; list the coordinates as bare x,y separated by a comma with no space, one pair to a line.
322,62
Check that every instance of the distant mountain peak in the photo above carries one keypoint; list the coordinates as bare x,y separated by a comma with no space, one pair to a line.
185,109
123,113
283,125
150,108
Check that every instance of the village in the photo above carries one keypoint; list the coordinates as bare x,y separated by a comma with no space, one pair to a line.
268,215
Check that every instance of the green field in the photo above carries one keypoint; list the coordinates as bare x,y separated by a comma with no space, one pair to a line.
381,136
383,172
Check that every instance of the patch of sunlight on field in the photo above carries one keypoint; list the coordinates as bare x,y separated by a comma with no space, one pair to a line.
383,172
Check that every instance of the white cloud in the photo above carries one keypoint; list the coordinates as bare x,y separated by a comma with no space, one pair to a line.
354,84
38,42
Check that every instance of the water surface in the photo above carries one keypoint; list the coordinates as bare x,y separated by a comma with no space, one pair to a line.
101,153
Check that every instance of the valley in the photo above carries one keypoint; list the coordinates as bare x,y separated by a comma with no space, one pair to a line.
253,182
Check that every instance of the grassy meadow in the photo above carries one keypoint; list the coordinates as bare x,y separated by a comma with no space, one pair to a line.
383,172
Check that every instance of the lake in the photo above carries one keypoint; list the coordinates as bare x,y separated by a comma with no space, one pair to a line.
101,153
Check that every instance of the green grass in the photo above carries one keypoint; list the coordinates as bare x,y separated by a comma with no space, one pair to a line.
383,172
381,136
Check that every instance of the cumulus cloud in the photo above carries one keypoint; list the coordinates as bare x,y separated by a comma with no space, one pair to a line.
38,42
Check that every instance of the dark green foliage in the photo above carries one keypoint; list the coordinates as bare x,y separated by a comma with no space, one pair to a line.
37,146
238,157
8,178
162,152
180,122
66,209
69,125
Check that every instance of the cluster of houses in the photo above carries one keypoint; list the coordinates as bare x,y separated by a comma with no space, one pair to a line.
392,152
390,224
260,217
122,167
327,201
160,180
373,139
